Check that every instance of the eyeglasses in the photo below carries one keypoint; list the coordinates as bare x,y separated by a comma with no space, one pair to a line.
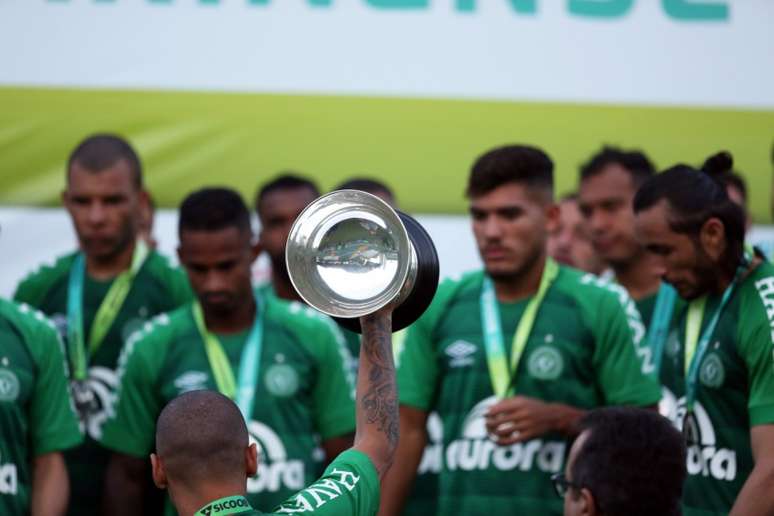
562,485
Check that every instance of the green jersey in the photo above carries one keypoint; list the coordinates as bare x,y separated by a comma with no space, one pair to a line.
584,350
735,392
36,413
349,487
305,391
156,288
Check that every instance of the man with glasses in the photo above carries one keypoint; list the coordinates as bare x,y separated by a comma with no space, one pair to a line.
625,462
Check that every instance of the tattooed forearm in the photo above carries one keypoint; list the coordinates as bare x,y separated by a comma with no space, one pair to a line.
377,396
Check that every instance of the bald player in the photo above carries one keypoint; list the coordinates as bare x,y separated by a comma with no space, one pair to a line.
203,455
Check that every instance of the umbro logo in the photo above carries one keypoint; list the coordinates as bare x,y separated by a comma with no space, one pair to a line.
461,353
191,381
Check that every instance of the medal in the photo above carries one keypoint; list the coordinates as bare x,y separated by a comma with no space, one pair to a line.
85,401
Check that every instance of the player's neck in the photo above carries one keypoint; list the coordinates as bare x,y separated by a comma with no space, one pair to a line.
108,268
283,288
233,321
523,284
638,276
188,502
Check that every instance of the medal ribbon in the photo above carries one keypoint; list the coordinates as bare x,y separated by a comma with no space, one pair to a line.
106,313
243,391
501,374
695,347
223,506
659,324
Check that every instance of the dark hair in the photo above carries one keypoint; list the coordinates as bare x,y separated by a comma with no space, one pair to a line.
721,167
201,437
694,197
365,184
284,181
522,164
213,209
635,162
101,151
632,461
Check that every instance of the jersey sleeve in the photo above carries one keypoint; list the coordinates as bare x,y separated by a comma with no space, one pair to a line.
757,350
417,372
620,359
334,402
131,425
53,423
32,290
349,487
180,292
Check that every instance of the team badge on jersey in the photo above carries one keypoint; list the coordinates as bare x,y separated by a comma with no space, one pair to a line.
545,363
281,380
9,385
712,373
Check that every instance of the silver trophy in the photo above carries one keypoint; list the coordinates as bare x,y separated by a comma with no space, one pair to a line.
349,254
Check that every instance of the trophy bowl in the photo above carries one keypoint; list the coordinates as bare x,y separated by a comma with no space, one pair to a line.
349,254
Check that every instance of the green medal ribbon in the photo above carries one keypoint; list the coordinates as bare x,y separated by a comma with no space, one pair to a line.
658,330
695,347
106,313
228,505
499,369
242,392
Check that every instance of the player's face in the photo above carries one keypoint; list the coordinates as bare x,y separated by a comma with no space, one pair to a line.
509,224
681,260
104,207
218,266
569,241
606,204
279,210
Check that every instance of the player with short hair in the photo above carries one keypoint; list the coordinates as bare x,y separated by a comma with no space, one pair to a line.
718,375
37,421
281,362
625,462
205,467
511,357
100,294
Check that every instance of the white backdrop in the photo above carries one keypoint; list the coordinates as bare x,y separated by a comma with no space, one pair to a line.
643,56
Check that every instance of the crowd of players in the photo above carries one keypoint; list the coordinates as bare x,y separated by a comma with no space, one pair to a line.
638,291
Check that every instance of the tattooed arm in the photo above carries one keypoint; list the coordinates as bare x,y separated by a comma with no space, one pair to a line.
377,396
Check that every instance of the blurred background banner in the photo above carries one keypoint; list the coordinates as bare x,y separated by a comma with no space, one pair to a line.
410,91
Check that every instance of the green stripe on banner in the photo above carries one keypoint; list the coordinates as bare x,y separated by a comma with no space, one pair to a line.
423,147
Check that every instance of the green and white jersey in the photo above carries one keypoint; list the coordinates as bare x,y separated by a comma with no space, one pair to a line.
36,413
157,288
582,351
735,392
349,487
304,392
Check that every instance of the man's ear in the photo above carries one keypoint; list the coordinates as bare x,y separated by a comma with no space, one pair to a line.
159,475
553,215
251,460
712,237
588,505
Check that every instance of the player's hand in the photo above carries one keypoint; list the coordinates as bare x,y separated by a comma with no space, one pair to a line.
519,419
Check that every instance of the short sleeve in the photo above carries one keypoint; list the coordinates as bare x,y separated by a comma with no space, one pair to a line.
619,368
131,426
334,403
417,372
757,351
349,487
54,425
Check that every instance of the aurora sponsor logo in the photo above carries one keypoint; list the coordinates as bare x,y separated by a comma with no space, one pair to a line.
432,456
765,288
9,479
705,458
276,470
475,451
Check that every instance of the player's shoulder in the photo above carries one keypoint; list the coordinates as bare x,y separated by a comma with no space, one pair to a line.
295,316
160,267
163,330
38,281
757,296
459,287
589,289
31,323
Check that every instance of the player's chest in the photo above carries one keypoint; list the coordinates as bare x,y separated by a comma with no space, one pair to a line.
17,373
